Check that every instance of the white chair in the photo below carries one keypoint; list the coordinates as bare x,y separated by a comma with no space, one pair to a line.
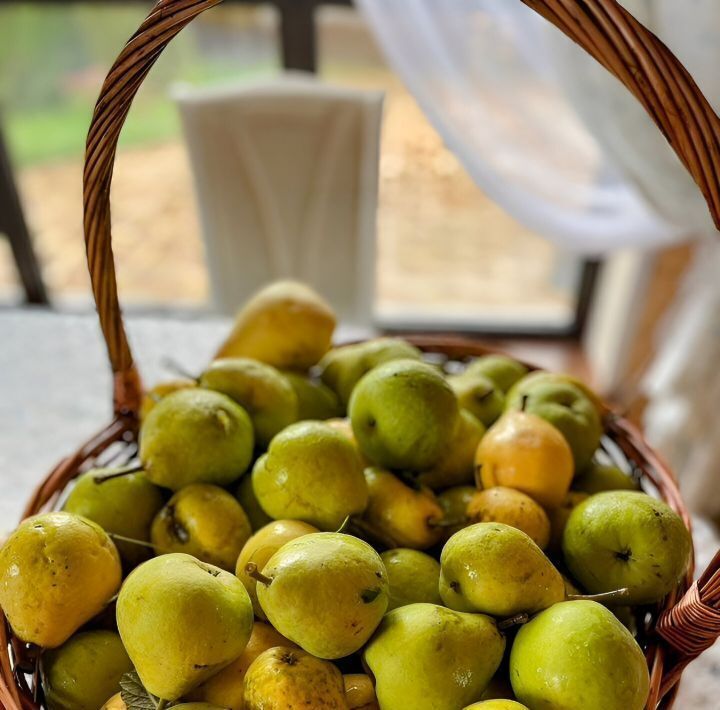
286,176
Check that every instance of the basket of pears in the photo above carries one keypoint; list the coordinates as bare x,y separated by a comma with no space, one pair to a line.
394,524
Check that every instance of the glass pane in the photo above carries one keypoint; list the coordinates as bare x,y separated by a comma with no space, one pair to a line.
447,255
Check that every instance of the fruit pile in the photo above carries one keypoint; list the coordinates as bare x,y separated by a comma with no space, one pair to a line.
351,527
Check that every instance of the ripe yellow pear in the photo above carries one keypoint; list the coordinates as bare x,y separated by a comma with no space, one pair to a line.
57,571
399,515
286,324
226,688
162,390
262,546
525,452
506,505
203,521
283,678
115,703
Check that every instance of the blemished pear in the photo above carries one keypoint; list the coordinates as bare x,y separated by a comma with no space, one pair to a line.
403,413
286,324
456,465
262,546
413,577
181,621
496,569
343,367
327,592
627,540
261,390
501,369
283,678
196,436
595,663
123,506
398,514
313,473
85,671
427,657
226,687
525,452
203,521
57,571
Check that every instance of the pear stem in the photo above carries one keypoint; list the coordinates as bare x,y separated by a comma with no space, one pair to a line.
117,474
252,570
618,597
517,620
122,538
162,704
178,369
344,525
523,402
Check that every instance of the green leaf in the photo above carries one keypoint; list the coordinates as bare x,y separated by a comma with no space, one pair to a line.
134,695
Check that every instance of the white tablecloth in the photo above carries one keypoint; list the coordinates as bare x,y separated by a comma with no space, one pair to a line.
55,393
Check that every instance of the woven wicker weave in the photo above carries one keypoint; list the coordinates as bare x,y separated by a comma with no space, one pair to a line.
689,620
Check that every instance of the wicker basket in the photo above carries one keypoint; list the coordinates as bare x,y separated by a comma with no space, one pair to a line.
673,633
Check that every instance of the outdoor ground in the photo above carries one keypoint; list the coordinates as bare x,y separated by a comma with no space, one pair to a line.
442,245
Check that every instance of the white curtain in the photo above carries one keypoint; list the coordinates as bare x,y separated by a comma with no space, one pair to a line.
543,130
562,146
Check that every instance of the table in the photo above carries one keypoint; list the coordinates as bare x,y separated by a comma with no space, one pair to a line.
55,393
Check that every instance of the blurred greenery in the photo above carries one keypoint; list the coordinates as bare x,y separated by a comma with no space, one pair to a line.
54,58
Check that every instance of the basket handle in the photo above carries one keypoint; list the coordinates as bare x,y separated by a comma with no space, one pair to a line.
602,27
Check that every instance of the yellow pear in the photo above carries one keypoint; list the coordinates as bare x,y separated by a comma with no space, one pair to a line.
226,688
114,703
398,515
506,505
283,678
525,452
286,324
160,391
57,571
262,546
360,692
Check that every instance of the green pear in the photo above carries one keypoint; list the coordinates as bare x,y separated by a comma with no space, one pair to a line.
246,495
479,395
567,408
261,547
66,681
627,540
578,655
313,473
456,465
454,502
426,657
196,436
501,369
598,477
497,704
203,521
413,577
182,621
286,324
263,392
315,400
342,368
327,592
57,571
403,413
125,506
496,569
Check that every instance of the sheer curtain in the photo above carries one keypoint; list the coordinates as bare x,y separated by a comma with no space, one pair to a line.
558,143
